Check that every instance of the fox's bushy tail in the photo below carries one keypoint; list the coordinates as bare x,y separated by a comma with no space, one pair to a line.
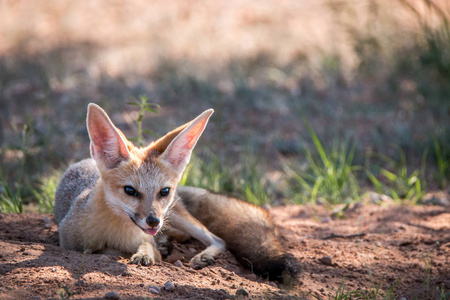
263,255
247,230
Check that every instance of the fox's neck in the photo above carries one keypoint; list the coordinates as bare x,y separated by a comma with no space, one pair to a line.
97,202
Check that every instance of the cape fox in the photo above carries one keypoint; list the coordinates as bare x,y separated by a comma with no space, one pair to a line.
121,198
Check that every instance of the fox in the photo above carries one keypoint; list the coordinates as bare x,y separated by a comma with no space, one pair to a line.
126,200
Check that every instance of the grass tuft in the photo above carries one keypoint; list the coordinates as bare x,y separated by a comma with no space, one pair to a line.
328,175
45,193
208,173
245,180
10,199
443,163
399,183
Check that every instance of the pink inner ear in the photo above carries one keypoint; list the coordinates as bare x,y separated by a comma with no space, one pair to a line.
179,151
194,133
101,135
107,144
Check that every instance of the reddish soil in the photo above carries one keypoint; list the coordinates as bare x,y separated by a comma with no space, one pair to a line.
401,246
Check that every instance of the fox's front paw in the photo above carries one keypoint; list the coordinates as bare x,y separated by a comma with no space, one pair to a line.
202,260
142,259
146,255
207,256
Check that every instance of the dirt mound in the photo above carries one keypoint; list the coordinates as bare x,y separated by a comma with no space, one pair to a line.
407,248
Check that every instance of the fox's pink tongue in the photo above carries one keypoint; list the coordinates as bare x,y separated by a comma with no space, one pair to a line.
151,231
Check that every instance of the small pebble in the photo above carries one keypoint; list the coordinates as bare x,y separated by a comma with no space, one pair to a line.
141,285
437,201
192,250
111,295
326,260
402,298
241,292
378,244
168,285
22,249
179,264
104,259
53,270
266,207
273,284
154,289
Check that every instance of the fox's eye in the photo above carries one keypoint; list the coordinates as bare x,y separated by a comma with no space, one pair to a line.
129,190
164,192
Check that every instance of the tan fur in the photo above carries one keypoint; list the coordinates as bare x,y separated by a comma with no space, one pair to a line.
94,210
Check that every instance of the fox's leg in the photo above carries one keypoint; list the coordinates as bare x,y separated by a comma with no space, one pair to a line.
181,219
174,234
146,254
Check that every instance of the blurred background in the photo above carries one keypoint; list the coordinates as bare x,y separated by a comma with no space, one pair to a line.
315,101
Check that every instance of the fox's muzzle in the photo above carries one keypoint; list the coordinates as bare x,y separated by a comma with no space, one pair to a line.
153,223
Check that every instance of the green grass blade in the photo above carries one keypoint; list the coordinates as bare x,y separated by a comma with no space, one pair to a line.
317,143
389,175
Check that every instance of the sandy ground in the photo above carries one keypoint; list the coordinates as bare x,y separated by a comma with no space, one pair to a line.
401,246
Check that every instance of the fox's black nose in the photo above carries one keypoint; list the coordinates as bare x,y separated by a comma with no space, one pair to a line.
152,221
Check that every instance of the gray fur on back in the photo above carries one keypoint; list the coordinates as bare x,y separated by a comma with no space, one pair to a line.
78,178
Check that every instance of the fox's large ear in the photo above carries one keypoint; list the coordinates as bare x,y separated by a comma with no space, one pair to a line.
108,146
163,142
182,141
